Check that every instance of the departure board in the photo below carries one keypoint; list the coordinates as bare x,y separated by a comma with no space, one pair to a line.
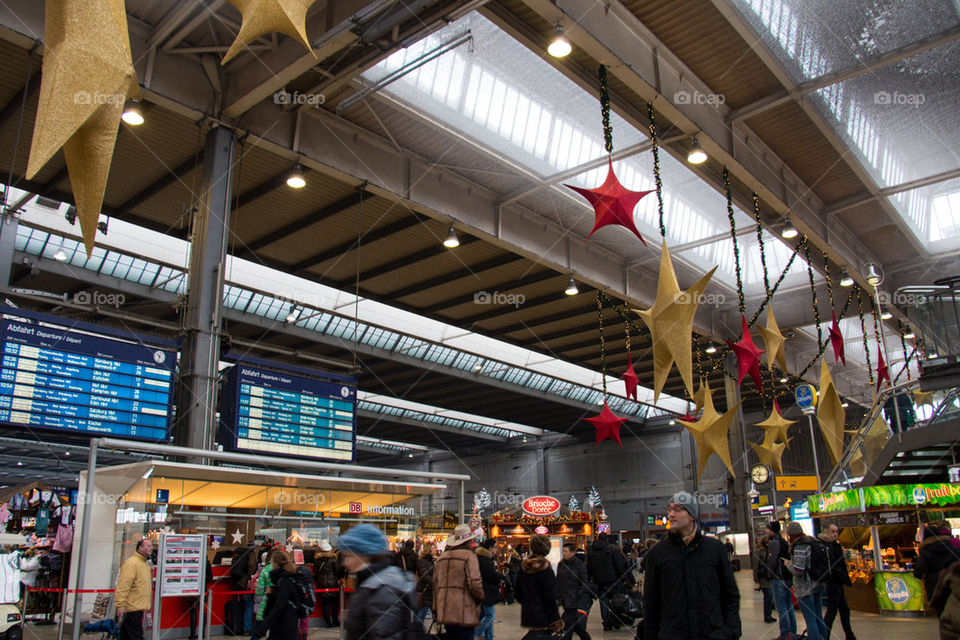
264,411
68,380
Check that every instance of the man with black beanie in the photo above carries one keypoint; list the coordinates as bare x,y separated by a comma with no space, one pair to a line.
780,579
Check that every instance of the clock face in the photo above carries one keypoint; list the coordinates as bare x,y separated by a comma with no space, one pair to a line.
759,473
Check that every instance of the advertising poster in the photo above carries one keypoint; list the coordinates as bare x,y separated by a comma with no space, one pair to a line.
181,565
898,591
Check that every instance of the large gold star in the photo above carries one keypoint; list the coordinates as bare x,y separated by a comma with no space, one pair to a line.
923,397
830,414
268,16
775,426
698,397
773,341
770,452
710,432
874,440
87,77
670,321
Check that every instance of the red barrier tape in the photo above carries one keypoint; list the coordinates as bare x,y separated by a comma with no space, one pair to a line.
237,593
43,590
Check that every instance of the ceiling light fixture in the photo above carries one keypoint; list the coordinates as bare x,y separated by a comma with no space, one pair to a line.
293,315
846,280
783,381
559,47
571,289
788,231
696,155
874,275
60,255
711,348
451,241
132,113
844,404
295,179
886,315
909,335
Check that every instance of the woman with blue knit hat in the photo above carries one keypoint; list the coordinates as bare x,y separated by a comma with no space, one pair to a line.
382,605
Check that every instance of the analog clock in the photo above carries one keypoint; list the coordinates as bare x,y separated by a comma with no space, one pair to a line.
759,473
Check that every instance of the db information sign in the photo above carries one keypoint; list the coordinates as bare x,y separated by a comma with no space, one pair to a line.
356,507
541,506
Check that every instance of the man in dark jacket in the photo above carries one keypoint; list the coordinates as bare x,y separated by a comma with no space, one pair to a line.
937,552
689,589
780,579
573,592
606,567
537,589
491,589
836,598
406,557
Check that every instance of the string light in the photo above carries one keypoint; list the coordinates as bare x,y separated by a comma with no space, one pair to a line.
603,350
605,110
655,146
826,274
813,289
733,234
776,286
763,254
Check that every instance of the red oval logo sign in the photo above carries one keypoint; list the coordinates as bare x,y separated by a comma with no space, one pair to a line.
541,506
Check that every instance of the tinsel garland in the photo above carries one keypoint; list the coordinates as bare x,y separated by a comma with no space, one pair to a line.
903,345
824,343
775,286
826,274
733,235
655,146
605,109
603,349
863,332
763,254
876,327
813,289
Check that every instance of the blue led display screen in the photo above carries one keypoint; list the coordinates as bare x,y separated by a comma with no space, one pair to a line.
66,380
265,411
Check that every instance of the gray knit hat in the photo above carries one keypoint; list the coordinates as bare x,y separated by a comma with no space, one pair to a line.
688,502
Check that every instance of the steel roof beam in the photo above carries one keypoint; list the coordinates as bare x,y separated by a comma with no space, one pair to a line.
371,235
446,278
856,201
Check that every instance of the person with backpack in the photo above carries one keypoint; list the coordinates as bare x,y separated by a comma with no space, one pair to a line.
605,568
761,575
384,602
946,602
537,590
937,553
778,552
838,578
810,568
573,592
281,618
491,589
425,581
244,565
262,587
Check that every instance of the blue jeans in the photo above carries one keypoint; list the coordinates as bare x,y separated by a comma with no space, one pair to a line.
811,606
781,598
248,613
421,614
485,628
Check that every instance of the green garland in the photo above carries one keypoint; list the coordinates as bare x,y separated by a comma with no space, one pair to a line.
605,109
603,349
863,331
655,146
813,289
763,254
903,345
733,234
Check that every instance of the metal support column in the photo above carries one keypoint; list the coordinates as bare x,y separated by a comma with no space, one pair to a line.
84,539
197,386
541,469
739,517
463,513
8,237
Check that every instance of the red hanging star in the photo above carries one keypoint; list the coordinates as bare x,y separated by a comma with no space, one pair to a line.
882,371
748,357
836,339
607,425
630,380
612,203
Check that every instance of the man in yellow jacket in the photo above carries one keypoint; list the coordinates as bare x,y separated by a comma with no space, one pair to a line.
134,593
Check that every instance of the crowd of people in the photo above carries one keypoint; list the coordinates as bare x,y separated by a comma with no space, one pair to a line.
681,587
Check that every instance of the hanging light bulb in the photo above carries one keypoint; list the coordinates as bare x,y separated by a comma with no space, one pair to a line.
293,315
559,47
846,280
60,255
452,240
696,155
571,289
909,335
295,179
874,275
711,348
132,113
783,381
789,231
886,315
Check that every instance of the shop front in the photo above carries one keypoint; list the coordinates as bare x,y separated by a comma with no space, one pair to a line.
547,516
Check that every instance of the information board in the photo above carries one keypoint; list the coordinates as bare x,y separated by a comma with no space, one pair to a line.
67,380
265,411
181,560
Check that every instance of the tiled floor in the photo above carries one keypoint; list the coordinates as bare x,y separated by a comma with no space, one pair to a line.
866,626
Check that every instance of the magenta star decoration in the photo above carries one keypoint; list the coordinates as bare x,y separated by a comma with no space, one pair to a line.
630,380
882,371
612,203
748,356
836,339
607,425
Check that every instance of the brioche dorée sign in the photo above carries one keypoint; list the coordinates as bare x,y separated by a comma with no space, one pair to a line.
541,506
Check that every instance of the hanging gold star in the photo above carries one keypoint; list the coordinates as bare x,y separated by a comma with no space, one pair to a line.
710,432
923,397
830,414
773,341
874,440
775,426
770,452
87,77
670,321
261,17
698,397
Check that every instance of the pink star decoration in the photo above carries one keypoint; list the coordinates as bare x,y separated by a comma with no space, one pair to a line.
607,425
882,371
748,356
612,203
630,380
836,339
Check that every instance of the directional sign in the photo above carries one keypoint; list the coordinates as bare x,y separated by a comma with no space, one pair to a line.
796,483
806,396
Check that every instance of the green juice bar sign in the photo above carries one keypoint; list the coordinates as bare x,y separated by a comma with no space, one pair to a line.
839,502
894,495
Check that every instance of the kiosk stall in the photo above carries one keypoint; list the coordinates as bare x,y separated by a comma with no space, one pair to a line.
543,515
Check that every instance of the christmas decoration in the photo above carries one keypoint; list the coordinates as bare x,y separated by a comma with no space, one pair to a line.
775,426
736,245
481,500
593,498
605,109
630,380
710,432
573,505
748,357
883,373
607,425
863,332
612,203
830,414
670,321
87,77
923,397
698,397
773,341
655,148
836,339
873,442
237,536
770,452
260,17
763,253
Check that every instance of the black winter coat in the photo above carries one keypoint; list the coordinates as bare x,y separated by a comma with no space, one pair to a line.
425,581
280,613
572,588
489,576
605,564
838,563
327,571
689,591
380,608
537,593
936,554
406,559
778,548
